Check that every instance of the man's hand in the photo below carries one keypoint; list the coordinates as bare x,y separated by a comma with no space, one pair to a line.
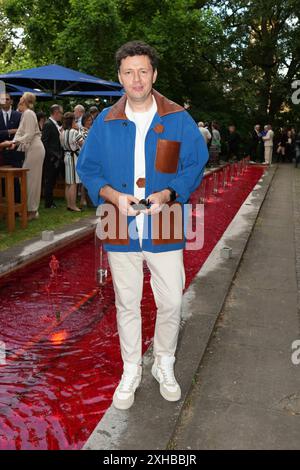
8,144
121,200
157,200
12,145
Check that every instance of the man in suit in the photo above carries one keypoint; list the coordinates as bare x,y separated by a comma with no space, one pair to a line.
256,144
9,123
54,154
268,143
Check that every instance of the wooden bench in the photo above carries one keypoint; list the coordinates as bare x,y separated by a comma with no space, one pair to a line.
8,206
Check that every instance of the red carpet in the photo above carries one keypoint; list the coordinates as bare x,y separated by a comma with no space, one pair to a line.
63,359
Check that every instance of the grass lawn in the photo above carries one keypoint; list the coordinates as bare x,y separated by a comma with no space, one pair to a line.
49,219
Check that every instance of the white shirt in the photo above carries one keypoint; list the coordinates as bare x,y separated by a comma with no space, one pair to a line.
268,138
79,122
206,134
54,122
6,115
142,122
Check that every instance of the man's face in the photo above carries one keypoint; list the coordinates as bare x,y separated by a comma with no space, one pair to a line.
8,103
78,113
137,77
88,123
57,116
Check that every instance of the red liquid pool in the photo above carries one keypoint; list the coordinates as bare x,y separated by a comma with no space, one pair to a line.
62,351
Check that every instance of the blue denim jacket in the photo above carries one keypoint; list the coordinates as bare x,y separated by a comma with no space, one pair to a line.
175,154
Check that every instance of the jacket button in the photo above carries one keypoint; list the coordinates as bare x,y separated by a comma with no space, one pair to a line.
125,123
124,185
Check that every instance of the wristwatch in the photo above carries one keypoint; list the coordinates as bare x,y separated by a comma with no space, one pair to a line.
172,194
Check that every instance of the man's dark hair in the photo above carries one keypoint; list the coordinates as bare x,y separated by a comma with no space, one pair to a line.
54,108
93,110
133,48
41,115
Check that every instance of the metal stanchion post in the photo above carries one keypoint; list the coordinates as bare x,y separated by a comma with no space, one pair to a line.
101,263
202,191
215,182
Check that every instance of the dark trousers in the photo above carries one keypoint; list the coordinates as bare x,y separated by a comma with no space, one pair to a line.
50,173
16,160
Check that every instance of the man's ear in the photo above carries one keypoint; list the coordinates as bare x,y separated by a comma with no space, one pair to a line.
154,76
119,77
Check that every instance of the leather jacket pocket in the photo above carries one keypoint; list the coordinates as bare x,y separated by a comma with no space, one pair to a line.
167,155
167,225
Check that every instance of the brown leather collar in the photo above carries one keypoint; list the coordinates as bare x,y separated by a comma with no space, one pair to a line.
164,107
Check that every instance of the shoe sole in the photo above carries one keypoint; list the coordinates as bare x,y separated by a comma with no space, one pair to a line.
168,398
123,407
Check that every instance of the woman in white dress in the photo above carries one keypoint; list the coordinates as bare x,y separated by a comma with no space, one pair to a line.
71,141
28,140
87,122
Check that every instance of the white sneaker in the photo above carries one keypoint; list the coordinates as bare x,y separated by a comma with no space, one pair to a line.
124,394
163,372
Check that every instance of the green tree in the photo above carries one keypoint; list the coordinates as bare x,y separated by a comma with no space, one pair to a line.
230,60
92,31
39,23
262,54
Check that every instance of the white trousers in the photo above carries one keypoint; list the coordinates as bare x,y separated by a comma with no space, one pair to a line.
167,282
268,155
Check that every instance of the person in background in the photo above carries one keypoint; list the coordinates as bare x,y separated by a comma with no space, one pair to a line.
205,132
215,146
54,154
294,132
87,122
9,120
6,144
41,118
9,123
264,131
256,142
268,143
71,141
94,111
233,143
290,146
28,139
297,149
78,113
281,146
